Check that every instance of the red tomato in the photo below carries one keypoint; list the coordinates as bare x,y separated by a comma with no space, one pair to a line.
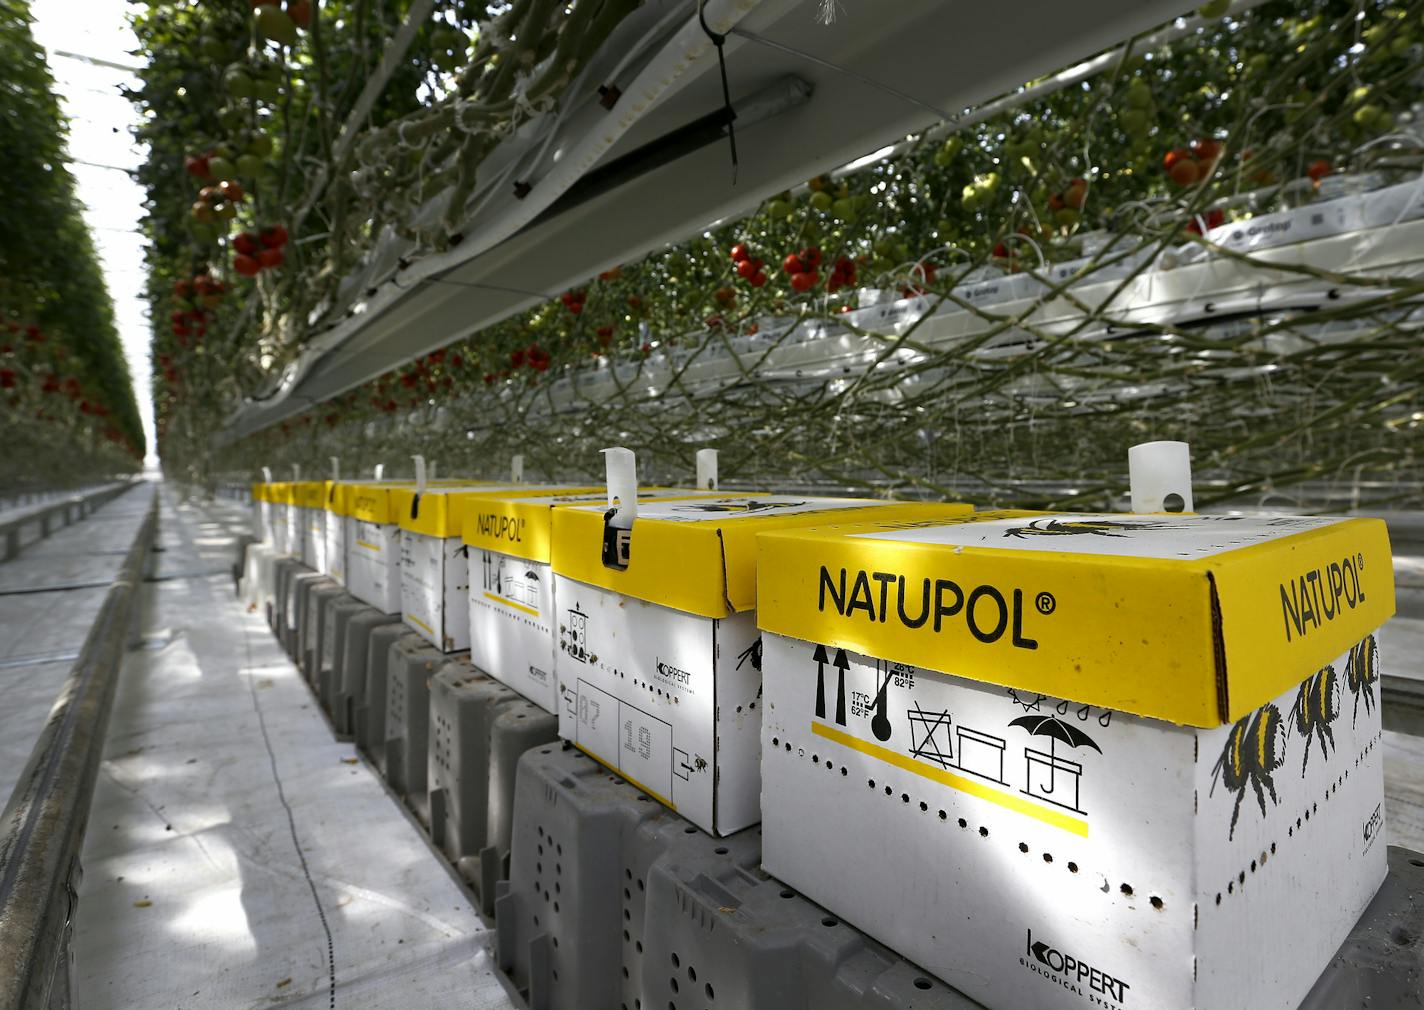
1318,170
792,264
757,279
740,253
300,11
270,258
245,265
805,280
746,269
245,243
273,236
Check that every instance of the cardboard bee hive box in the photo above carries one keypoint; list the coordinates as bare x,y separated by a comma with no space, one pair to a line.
659,662
513,616
1080,760
373,551
309,516
435,581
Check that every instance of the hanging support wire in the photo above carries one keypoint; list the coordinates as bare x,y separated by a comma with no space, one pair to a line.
719,40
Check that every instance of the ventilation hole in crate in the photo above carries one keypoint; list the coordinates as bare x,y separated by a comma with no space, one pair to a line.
536,920
555,974
1231,887
775,742
640,883
1023,846
546,751
639,946
708,990
1126,889
815,759
923,806
556,907
829,921
627,873
627,937
1253,866
627,915
676,961
556,942
1416,862
923,983
1156,902
541,849
1072,867
889,791
627,894
539,867
943,816
1241,877
843,771
871,783
556,887
788,748
721,850
787,892
1273,848
672,983
904,797
559,848
691,973
689,830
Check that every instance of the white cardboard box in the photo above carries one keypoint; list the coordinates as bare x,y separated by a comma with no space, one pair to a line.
513,619
373,551
1037,851
659,666
435,582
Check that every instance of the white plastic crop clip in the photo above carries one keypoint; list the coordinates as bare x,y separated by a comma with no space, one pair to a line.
622,469
707,469
419,485
1160,477
335,476
266,475
516,469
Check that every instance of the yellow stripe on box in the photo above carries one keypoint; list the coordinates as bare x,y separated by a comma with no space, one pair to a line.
510,603
964,785
428,629
624,775
369,547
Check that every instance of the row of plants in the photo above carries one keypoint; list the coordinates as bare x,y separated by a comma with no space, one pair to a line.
1245,114
65,390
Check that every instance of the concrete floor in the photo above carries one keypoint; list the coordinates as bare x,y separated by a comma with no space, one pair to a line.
238,857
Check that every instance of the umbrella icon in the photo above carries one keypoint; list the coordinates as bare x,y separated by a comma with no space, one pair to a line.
1057,731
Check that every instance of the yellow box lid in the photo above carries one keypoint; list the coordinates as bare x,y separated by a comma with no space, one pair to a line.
1197,620
699,555
259,491
279,492
309,494
523,526
438,511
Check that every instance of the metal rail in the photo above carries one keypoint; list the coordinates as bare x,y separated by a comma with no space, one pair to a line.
67,510
42,828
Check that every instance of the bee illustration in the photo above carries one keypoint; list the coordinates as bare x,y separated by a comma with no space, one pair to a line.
1081,527
1255,748
745,507
1361,672
1316,706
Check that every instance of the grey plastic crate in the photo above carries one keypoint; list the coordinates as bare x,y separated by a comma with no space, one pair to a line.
239,560
311,634
615,902
1382,963
368,697
407,735
297,627
478,730
570,920
285,572
333,647
356,653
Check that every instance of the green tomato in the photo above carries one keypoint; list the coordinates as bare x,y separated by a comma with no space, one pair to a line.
822,201
232,119
780,209
249,166
1066,217
222,169
1135,122
267,91
260,146
1139,94
214,49
238,82
843,209
1214,8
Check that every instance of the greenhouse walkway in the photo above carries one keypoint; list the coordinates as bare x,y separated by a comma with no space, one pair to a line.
237,856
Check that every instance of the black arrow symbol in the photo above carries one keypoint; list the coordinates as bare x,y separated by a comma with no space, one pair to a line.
842,664
821,658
